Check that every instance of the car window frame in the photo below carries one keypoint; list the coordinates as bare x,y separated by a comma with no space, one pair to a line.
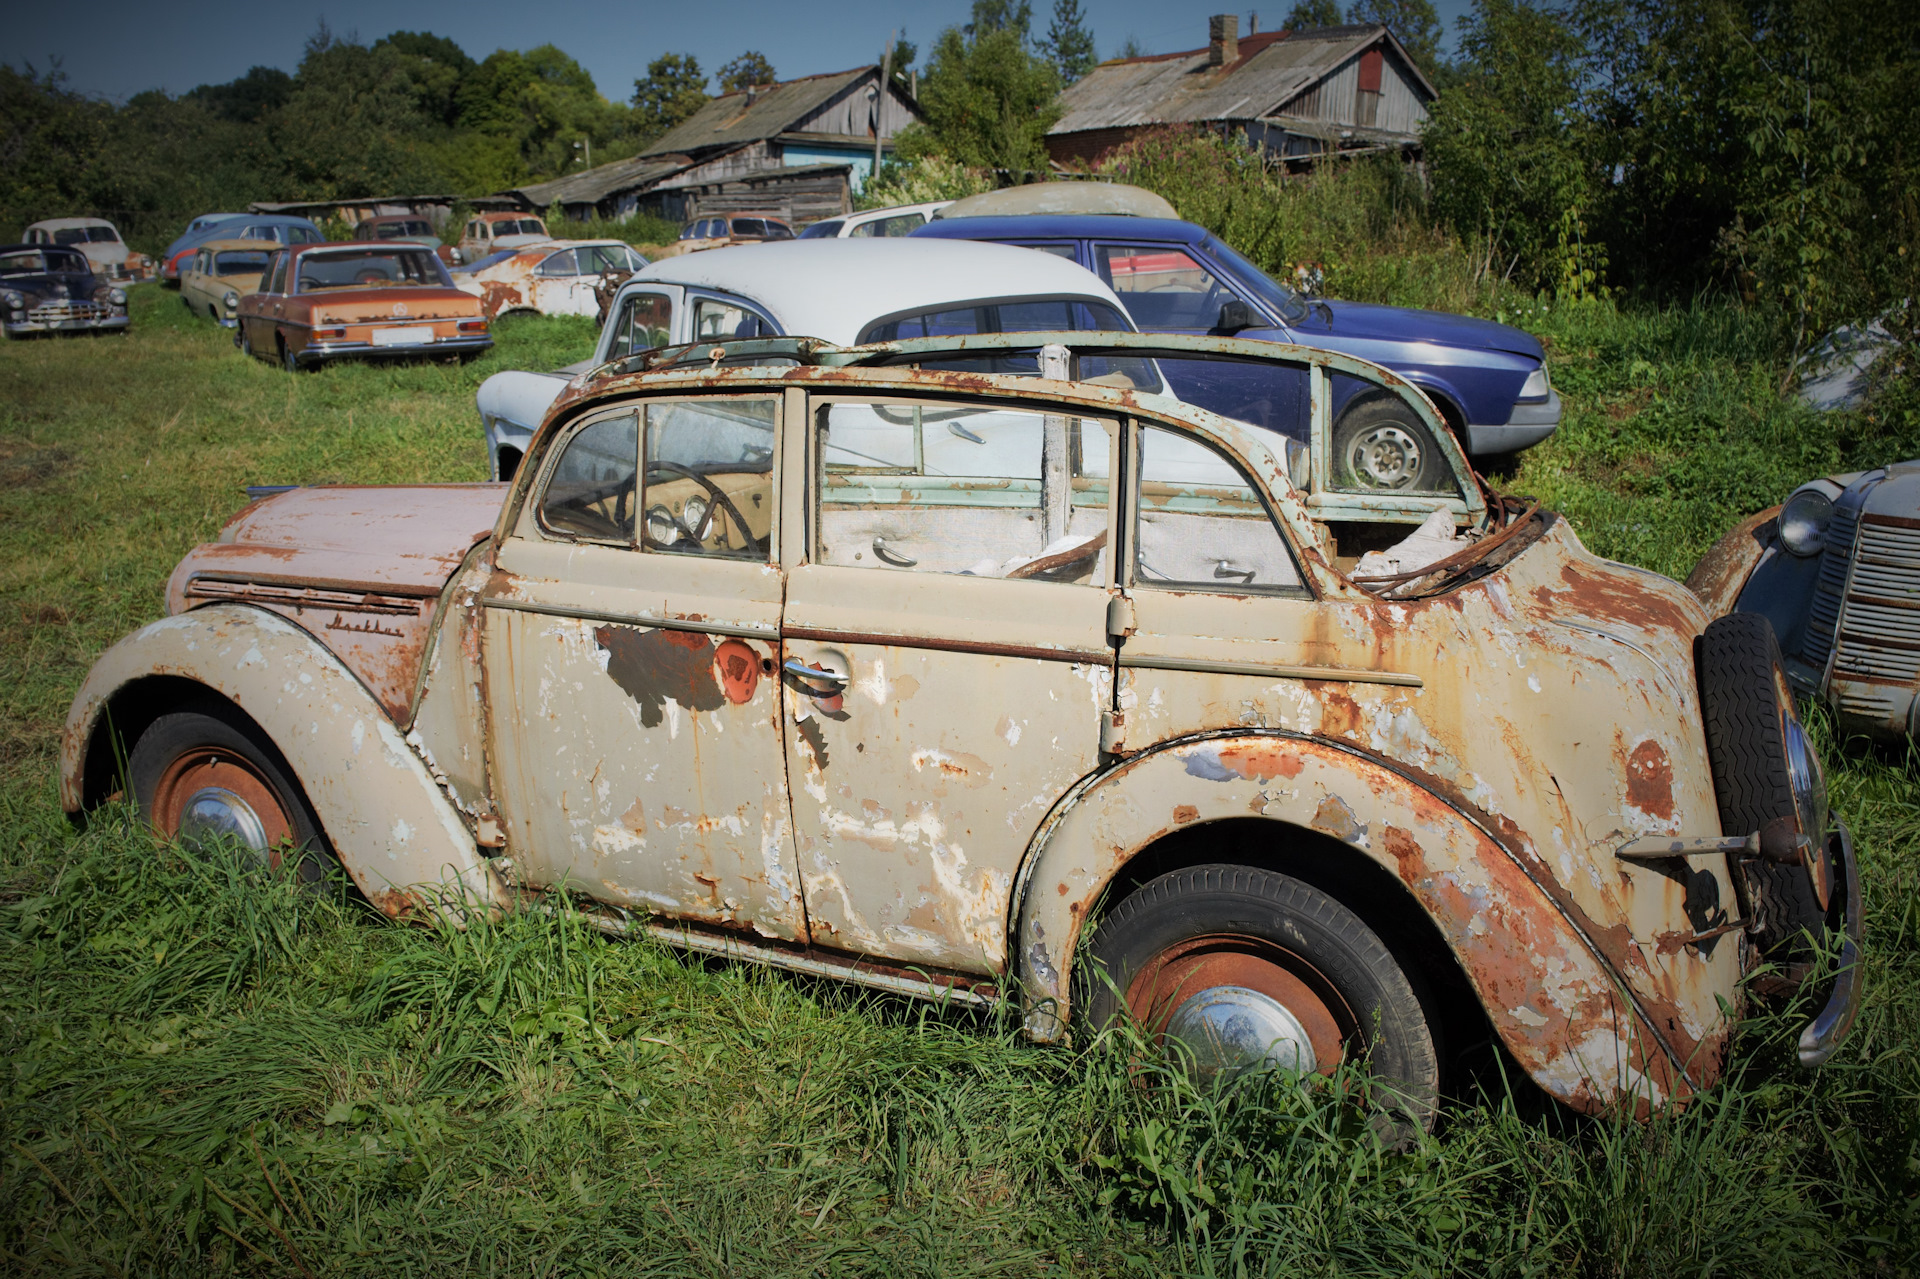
1226,282
690,299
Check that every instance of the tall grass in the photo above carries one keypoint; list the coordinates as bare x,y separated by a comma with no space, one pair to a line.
210,1073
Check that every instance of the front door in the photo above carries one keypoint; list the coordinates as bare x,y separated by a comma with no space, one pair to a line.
631,637
947,663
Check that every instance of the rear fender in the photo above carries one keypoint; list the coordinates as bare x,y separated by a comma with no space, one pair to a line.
393,828
1548,995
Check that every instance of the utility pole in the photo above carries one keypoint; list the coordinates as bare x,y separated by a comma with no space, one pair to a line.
880,103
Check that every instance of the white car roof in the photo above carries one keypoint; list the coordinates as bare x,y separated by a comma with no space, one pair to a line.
835,288
67,224
874,215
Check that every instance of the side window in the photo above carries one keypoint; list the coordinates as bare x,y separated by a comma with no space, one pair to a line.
1380,445
714,318
898,225
646,321
708,479
590,492
1058,250
561,263
1165,290
277,280
984,492
1200,525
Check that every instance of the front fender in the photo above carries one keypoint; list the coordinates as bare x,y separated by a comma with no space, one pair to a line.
393,828
1551,998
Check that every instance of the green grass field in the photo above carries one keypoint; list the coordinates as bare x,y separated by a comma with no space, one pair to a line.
208,1073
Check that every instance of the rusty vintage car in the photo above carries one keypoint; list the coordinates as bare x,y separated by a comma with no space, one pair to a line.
488,233
557,277
220,273
111,259
901,664
322,302
1836,570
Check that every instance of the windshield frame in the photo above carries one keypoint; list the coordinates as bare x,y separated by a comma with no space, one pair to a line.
1284,302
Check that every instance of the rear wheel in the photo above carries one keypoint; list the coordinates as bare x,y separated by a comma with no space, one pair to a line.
1250,969
208,773
1381,444
288,360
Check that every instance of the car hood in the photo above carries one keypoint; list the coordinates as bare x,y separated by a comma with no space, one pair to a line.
57,284
1367,320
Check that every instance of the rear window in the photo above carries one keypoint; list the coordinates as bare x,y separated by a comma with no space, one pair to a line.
823,230
370,269
240,262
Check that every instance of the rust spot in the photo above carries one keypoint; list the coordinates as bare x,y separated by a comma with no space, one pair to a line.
1405,851
816,742
1063,890
1184,814
1650,780
1336,819
738,668
655,667
1262,759
635,818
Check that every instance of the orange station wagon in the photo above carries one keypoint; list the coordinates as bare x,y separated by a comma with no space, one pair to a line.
323,302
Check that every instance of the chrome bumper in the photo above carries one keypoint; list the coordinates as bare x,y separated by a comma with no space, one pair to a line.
318,351
1824,1033
75,324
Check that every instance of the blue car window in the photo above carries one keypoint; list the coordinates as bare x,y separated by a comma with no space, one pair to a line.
1290,305
1165,289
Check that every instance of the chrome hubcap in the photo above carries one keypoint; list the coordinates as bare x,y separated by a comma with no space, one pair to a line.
214,812
1233,1029
1387,457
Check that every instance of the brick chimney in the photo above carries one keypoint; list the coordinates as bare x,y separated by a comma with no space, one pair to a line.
1223,39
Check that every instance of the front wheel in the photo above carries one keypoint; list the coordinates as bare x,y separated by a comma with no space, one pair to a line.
1381,444
210,773
1249,969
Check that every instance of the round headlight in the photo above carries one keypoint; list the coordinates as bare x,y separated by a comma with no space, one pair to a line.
662,529
117,296
694,515
232,299
15,301
1803,522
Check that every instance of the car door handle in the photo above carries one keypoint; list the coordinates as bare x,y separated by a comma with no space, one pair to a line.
1225,569
801,671
891,556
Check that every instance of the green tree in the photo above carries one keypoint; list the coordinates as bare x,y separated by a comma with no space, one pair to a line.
1415,22
249,99
1308,14
675,87
437,67
1069,42
988,99
351,127
745,71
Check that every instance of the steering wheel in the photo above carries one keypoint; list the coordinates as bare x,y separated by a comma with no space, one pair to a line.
720,499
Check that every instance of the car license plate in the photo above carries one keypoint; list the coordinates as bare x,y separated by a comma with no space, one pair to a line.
416,335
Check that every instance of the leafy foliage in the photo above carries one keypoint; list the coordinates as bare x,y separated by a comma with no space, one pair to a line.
745,71
1068,45
674,88
1414,22
988,98
1307,14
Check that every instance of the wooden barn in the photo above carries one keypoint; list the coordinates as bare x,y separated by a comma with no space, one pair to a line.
1294,94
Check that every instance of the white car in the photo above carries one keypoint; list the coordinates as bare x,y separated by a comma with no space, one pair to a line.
901,219
844,293
98,239
557,277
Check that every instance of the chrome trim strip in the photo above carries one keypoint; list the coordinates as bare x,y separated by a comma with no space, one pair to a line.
1331,674
1824,1033
637,619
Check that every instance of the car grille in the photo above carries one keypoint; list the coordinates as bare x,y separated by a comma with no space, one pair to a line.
51,312
1823,614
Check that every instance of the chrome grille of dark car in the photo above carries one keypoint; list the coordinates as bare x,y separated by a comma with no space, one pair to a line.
66,309
1823,613
1880,625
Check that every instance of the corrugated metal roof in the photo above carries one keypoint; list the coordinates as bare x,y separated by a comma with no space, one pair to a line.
1180,88
731,120
594,185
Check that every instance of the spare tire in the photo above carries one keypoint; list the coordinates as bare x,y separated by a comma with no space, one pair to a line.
1764,770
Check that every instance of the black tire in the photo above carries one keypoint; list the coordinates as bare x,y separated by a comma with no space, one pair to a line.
1747,704
210,745
288,360
1235,913
1381,445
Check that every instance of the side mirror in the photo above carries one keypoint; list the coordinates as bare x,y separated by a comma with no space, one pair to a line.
1234,316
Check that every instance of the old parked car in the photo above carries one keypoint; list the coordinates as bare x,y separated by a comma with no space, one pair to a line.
280,228
324,302
188,238
54,290
717,232
901,219
220,273
408,227
844,293
1489,380
1836,570
100,241
558,277
971,684
488,233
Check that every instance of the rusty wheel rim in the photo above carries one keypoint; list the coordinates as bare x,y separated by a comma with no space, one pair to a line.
210,792
1237,1003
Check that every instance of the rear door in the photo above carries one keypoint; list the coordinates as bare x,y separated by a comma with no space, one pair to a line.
946,662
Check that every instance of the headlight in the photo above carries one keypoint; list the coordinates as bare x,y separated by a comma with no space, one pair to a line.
117,296
1803,522
1535,387
15,301
694,514
232,299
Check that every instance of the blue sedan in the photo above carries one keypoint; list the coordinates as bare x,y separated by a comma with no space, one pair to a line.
1488,380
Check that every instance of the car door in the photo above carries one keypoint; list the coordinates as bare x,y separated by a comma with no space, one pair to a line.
1167,289
257,310
947,665
630,642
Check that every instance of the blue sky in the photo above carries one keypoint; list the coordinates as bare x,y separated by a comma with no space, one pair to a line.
117,48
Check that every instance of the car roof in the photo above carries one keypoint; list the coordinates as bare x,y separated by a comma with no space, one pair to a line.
39,248
353,246
67,224
238,244
1063,226
494,215
833,289
892,210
